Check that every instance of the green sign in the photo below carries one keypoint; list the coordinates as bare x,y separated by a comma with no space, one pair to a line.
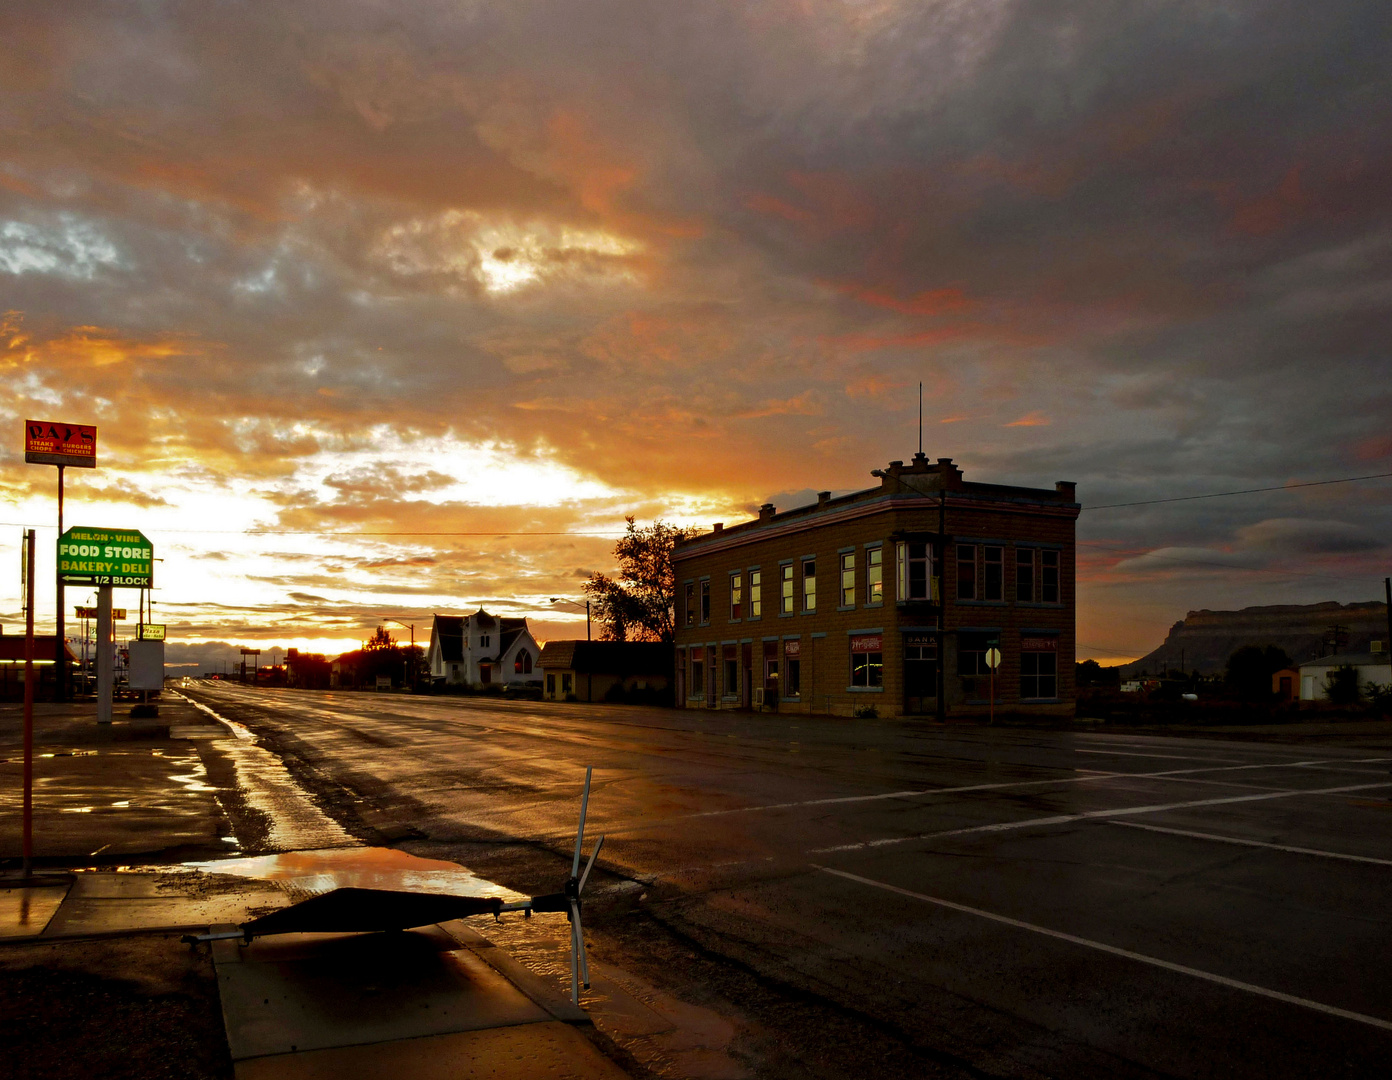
121,557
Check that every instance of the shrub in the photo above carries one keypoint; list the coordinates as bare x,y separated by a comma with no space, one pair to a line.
1342,685
867,712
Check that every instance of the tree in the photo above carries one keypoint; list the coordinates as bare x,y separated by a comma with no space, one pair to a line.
1251,667
1342,685
638,604
382,639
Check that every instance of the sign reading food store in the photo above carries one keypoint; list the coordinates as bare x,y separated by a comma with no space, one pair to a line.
120,557
48,442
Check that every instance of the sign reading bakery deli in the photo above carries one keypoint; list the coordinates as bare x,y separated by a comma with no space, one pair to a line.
48,442
121,557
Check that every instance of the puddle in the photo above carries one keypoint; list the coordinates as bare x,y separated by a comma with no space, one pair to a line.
296,823
366,868
25,910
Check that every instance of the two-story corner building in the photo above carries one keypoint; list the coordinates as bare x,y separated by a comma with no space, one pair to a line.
890,597
480,649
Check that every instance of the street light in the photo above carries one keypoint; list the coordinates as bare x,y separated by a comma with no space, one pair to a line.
563,600
411,627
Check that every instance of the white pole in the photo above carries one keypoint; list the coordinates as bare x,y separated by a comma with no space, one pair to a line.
104,657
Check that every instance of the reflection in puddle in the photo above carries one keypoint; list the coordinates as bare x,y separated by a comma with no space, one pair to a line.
364,868
266,785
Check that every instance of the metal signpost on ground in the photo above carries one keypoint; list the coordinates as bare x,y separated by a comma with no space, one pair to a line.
106,558
27,579
48,442
993,659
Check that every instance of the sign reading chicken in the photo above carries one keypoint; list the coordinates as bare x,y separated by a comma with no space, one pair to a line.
48,442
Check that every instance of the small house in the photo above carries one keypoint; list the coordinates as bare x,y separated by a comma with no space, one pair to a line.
1372,667
634,671
482,650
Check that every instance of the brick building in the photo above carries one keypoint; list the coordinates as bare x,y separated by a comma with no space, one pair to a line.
852,602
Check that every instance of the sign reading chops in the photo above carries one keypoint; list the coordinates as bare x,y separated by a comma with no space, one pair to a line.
121,557
47,442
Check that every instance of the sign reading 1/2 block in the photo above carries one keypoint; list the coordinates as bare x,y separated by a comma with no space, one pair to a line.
121,557
47,442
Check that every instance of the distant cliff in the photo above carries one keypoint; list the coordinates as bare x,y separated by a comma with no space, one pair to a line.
1205,639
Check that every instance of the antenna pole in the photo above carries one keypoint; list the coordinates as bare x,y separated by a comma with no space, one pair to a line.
920,418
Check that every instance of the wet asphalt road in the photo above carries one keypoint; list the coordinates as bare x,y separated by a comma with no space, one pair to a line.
990,902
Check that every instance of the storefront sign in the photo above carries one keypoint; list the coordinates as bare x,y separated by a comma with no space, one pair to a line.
151,632
47,442
1039,644
792,649
117,613
867,643
926,640
122,557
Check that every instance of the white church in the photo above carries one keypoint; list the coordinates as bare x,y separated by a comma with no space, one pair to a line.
482,649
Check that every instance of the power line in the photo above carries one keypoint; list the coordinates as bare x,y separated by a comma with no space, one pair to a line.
1244,491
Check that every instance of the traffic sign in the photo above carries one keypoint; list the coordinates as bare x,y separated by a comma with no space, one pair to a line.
993,658
120,557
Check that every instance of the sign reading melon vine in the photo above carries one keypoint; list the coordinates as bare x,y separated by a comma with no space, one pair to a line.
120,557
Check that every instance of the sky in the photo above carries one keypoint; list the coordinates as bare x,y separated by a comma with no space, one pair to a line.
389,308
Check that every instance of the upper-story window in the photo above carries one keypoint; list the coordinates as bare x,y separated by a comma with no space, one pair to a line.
848,586
966,572
992,573
1024,575
483,641
690,603
786,587
736,596
756,594
915,559
705,602
874,575
809,585
1049,577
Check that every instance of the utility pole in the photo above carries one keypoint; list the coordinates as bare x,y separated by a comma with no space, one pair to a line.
60,647
939,550
1387,587
28,813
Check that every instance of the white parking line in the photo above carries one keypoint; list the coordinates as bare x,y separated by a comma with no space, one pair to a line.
1217,838
1122,811
1127,954
1174,757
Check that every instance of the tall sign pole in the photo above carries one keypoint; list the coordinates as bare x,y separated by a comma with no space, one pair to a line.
50,442
105,660
28,813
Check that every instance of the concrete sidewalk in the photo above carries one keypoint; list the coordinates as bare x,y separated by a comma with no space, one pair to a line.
438,1001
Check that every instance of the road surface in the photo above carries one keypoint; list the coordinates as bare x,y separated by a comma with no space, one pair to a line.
884,899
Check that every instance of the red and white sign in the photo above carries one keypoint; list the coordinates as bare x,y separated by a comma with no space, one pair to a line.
48,442
1039,644
867,643
792,649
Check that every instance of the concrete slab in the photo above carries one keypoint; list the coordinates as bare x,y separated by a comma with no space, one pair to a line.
544,1051
25,911
298,992
108,903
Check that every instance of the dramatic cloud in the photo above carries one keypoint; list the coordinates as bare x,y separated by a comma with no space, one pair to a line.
402,309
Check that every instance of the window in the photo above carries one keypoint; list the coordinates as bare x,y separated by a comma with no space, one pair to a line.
698,673
756,594
792,658
1024,575
992,573
915,570
736,595
971,653
567,686
867,660
1038,667
523,664
787,586
809,585
1049,577
731,674
705,602
483,641
690,603
551,686
848,579
874,575
966,571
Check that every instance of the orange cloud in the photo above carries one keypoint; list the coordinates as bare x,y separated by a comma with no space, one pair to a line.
1034,419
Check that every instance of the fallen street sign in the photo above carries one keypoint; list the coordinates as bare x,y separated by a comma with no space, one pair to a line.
120,557
150,631
49,442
